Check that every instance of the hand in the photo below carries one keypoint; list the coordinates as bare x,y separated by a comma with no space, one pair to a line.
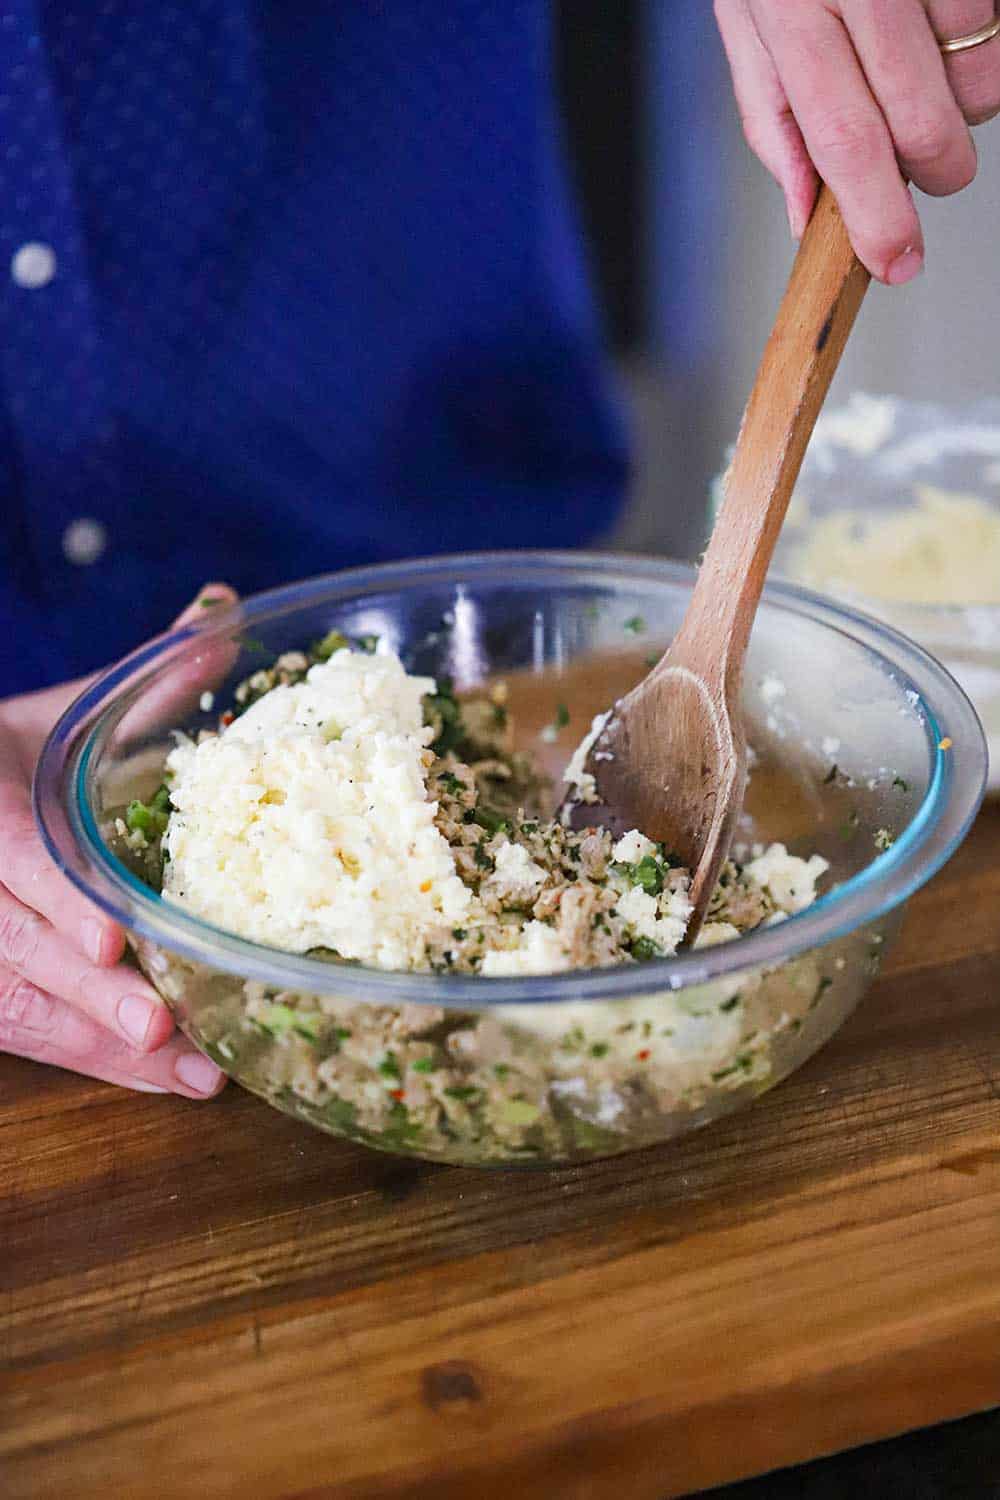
65,997
856,92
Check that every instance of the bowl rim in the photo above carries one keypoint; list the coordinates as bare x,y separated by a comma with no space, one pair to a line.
954,736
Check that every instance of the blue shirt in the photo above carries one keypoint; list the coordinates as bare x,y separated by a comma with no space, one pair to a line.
285,287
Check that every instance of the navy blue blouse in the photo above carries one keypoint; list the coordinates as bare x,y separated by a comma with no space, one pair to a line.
285,286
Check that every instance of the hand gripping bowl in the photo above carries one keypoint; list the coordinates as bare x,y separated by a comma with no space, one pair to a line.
865,751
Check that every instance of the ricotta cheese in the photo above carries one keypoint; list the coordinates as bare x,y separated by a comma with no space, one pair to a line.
307,822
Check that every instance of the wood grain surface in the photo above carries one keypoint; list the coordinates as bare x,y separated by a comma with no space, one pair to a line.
210,1300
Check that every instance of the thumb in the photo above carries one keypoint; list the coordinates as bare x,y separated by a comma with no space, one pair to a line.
174,695
211,596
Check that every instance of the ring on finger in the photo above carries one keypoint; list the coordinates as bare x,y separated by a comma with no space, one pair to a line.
971,39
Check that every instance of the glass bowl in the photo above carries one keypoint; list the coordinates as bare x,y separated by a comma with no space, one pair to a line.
865,750
867,475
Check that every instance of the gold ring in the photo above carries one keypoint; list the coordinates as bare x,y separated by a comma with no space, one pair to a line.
974,39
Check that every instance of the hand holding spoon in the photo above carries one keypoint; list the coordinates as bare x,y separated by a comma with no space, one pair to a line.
671,758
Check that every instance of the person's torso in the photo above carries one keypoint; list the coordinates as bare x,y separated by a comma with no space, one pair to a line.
291,287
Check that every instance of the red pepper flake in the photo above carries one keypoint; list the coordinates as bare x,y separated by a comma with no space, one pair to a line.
227,718
641,1056
397,1094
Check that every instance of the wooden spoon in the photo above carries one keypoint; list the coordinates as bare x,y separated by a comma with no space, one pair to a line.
671,758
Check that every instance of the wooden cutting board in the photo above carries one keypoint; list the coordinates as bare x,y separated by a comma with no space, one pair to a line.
213,1301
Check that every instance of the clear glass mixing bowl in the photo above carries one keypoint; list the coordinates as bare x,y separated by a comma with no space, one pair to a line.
866,751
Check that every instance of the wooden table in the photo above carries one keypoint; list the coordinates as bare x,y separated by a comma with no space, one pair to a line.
211,1300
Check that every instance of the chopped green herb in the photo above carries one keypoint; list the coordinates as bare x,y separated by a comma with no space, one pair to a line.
743,1064
599,1049
831,775
643,949
444,708
251,643
562,716
423,1065
648,873
400,1130
904,786
209,601
389,1067
459,934
465,1092
334,640
501,1070
849,827
493,822
635,625
149,818
277,1020
730,1004
325,955
452,783
138,817
367,643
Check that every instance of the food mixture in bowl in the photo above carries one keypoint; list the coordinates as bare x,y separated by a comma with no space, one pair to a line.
348,810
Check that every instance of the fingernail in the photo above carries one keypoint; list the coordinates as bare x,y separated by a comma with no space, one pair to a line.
198,1073
28,1009
796,222
905,267
92,932
142,1087
135,1013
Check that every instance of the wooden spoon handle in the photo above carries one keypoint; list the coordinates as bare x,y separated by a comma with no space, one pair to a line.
824,293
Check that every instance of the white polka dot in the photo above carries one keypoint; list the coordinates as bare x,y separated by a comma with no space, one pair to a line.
34,265
84,541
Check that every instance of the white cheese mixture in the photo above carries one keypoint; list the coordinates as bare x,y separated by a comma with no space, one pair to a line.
307,824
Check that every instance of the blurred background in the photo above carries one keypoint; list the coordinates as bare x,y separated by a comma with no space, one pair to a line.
690,251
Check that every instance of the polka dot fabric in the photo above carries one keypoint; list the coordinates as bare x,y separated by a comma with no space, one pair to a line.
285,287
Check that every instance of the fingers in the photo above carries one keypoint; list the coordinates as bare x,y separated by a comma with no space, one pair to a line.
29,874
40,1026
974,76
845,133
118,998
28,718
169,701
25,868
905,71
767,120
